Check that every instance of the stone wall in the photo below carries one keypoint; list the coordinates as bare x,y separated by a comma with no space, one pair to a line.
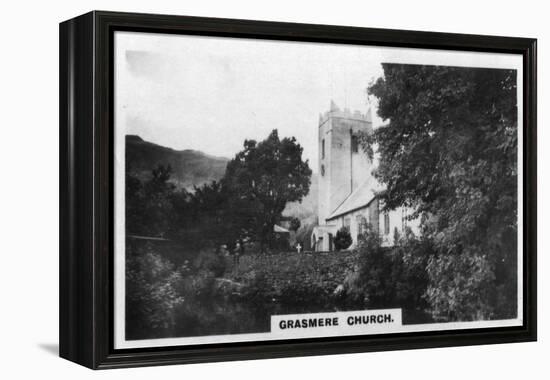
327,270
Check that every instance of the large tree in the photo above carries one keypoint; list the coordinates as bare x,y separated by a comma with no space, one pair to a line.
263,178
449,149
216,217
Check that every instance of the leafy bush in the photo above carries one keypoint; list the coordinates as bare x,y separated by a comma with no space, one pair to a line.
200,286
279,242
343,239
304,292
258,289
390,277
464,297
210,261
152,292
295,224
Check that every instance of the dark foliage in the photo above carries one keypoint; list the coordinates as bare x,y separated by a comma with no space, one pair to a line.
343,239
449,150
245,204
391,277
149,204
295,224
212,262
152,291
263,178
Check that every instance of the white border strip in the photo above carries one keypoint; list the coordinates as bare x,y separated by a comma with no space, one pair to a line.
312,334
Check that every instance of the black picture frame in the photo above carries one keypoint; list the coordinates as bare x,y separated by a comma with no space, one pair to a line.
86,188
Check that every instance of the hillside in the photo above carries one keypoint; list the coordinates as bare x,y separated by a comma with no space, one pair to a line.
190,167
194,168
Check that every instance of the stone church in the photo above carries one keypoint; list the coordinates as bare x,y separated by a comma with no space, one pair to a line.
347,189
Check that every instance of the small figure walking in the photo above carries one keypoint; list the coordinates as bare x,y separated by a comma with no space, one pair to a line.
299,247
237,253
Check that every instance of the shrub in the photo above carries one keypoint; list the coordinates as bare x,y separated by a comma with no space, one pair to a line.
302,292
391,277
279,242
295,224
343,239
258,289
200,286
152,292
473,281
463,297
210,261
412,257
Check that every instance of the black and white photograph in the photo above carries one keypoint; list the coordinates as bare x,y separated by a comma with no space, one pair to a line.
272,190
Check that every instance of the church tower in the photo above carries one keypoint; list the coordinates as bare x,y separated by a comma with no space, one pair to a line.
343,165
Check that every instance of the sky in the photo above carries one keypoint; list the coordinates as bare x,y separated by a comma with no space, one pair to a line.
211,93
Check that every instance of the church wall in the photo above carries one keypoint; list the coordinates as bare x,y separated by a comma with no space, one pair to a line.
348,169
324,170
397,219
361,166
356,220
340,164
377,219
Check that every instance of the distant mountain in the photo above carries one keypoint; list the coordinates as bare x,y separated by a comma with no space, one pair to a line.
190,167
194,168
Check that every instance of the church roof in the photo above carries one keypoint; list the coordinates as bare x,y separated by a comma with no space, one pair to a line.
358,199
279,229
